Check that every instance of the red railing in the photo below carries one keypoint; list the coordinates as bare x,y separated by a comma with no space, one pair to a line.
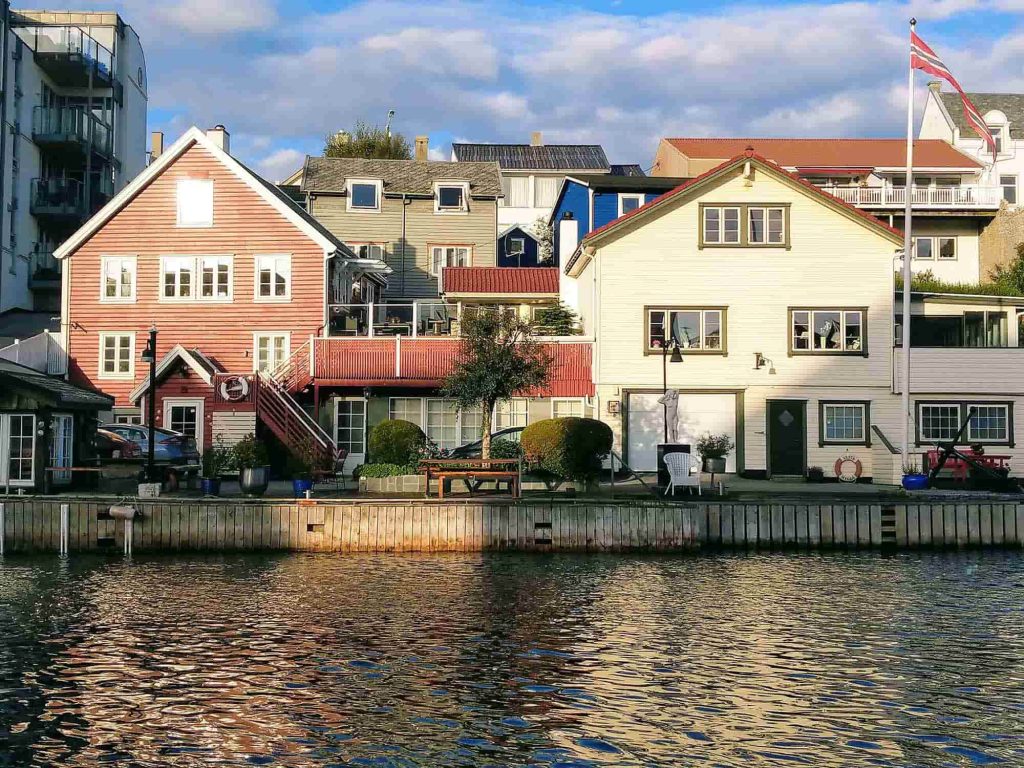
276,408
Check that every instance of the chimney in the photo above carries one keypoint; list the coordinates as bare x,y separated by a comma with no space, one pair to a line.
536,139
422,144
935,86
219,135
156,144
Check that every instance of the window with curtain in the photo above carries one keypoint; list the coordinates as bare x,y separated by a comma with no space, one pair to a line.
545,190
518,195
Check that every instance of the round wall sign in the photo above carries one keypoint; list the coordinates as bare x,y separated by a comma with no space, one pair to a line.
848,469
234,388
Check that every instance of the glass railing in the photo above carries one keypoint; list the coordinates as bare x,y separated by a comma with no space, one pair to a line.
70,124
57,196
371,320
69,41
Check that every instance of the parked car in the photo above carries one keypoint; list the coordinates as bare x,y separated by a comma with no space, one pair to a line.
110,445
472,450
170,447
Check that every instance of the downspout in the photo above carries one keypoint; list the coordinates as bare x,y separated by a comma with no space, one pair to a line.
3,135
406,202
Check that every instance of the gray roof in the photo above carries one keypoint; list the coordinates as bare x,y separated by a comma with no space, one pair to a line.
56,390
527,157
627,169
412,177
1010,104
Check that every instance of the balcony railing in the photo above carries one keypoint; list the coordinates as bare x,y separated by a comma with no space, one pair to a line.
431,319
58,198
70,126
69,55
44,270
960,196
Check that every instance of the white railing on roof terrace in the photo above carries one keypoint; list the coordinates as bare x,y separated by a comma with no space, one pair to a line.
959,196
43,352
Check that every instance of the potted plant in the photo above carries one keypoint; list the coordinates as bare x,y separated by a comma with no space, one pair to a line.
301,466
216,459
253,470
713,449
913,480
815,475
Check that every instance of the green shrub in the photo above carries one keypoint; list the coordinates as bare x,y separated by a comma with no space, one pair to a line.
568,448
396,442
505,449
250,453
383,470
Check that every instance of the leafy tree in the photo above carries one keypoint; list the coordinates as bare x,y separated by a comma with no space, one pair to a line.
558,320
546,238
1010,277
498,358
370,142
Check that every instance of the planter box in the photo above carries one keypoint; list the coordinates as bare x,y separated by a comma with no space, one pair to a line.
395,484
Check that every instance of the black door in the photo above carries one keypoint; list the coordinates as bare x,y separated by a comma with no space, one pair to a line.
787,437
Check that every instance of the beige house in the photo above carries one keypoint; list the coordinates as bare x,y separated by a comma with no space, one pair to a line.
781,301
420,216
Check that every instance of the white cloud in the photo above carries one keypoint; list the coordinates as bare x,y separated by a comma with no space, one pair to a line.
281,164
461,53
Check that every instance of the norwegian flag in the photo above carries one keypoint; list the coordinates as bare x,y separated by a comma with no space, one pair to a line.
924,58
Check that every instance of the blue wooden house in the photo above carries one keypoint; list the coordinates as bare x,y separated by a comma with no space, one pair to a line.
593,200
518,246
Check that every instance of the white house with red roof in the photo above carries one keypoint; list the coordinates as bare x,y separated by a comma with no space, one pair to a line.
779,298
953,198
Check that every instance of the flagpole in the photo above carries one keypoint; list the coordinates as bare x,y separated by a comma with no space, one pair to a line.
907,255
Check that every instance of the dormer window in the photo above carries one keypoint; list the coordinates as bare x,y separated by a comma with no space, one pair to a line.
364,195
450,197
997,137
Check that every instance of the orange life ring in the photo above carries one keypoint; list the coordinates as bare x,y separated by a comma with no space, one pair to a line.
843,471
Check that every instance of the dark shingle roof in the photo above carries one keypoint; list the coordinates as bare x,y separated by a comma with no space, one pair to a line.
608,182
58,391
527,157
627,169
329,174
1010,104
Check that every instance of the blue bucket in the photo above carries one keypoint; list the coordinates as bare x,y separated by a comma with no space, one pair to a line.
210,486
915,482
301,486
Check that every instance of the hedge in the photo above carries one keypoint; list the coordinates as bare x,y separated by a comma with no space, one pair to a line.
396,442
570,448
383,470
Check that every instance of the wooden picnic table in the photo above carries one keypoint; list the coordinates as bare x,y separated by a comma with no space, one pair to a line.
473,472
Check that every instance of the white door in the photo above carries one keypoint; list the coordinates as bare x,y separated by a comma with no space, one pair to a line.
350,429
61,441
17,449
185,414
698,413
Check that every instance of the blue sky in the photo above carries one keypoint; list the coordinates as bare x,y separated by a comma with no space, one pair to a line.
282,75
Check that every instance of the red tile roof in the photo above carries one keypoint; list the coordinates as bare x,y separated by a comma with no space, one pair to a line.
831,153
511,280
685,186
425,363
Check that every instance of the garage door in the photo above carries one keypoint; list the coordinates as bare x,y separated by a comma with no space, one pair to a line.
697,414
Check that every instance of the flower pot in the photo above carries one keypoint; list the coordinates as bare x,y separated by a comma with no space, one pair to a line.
714,466
210,486
915,482
300,485
254,480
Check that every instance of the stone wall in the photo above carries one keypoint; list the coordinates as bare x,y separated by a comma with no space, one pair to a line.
999,240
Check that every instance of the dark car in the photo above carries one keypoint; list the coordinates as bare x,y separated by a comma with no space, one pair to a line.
110,445
169,447
472,450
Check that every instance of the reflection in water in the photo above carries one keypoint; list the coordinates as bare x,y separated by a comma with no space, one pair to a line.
318,660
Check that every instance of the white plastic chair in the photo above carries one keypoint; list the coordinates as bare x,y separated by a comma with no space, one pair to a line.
681,468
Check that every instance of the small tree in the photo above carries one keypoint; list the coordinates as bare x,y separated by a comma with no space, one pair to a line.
1010,277
545,240
498,358
370,142
558,320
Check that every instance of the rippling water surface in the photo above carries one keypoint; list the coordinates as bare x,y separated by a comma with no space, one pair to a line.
318,660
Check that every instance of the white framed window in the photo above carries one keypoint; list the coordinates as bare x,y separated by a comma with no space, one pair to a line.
511,413
545,191
471,425
17,448
695,329
824,331
364,195
273,277
930,248
629,202
946,248
195,202
117,279
451,197
990,423
1009,187
517,191
564,407
407,409
516,246
844,423
117,355
350,426
128,416
177,277
996,131
442,427
721,225
270,349
767,226
369,250
216,277
449,256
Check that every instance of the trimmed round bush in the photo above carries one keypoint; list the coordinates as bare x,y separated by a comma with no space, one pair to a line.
505,449
570,448
396,441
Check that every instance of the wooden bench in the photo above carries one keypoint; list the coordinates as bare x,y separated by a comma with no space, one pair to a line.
474,472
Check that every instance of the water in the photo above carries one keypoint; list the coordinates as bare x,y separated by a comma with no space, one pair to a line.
318,660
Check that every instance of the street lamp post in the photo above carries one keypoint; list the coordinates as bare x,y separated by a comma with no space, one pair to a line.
149,355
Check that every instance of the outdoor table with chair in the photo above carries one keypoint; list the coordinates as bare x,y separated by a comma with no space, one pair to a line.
474,473
961,469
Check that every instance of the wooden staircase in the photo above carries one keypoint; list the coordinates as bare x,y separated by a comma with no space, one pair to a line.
279,410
